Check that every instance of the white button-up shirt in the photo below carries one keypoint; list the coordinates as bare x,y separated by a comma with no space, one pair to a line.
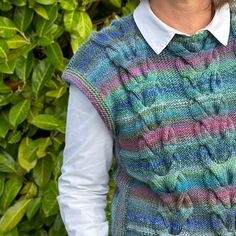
83,184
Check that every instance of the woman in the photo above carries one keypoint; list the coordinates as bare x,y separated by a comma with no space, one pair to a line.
155,88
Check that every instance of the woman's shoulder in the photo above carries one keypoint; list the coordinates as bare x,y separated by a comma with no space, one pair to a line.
115,42
118,29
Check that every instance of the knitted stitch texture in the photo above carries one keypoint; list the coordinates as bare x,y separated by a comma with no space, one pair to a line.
173,119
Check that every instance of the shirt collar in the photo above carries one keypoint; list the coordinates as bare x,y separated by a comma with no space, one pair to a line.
149,25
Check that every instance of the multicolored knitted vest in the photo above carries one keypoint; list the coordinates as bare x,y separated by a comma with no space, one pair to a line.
173,119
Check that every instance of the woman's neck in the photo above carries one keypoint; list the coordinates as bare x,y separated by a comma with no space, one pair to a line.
187,16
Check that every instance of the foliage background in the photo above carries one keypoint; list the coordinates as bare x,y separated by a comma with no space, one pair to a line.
37,39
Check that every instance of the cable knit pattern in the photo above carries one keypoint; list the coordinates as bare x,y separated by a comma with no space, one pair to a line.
173,119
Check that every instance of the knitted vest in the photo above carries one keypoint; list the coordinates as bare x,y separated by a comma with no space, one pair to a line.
173,120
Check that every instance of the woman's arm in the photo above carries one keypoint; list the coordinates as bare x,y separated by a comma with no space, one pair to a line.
83,184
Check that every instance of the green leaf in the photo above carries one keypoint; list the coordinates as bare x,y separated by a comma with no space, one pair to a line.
52,84
42,171
24,51
13,232
14,137
116,3
13,215
33,207
49,200
57,163
30,190
47,122
27,154
75,40
30,228
7,27
16,42
23,17
71,19
129,6
46,2
4,127
7,163
5,99
42,72
78,22
85,24
58,140
5,6
2,183
4,88
18,3
51,33
68,5
24,66
58,227
41,232
31,3
43,144
3,143
54,31
15,53
11,189
55,56
3,49
7,67
19,112
45,40
40,10
42,24
57,93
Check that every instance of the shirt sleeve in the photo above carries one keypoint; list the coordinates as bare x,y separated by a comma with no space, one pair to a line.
87,159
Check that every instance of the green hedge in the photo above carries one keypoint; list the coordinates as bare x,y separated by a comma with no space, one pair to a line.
37,39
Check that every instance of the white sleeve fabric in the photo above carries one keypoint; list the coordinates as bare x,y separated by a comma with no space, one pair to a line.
87,158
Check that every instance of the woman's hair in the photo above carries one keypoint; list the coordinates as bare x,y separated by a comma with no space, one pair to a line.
219,3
